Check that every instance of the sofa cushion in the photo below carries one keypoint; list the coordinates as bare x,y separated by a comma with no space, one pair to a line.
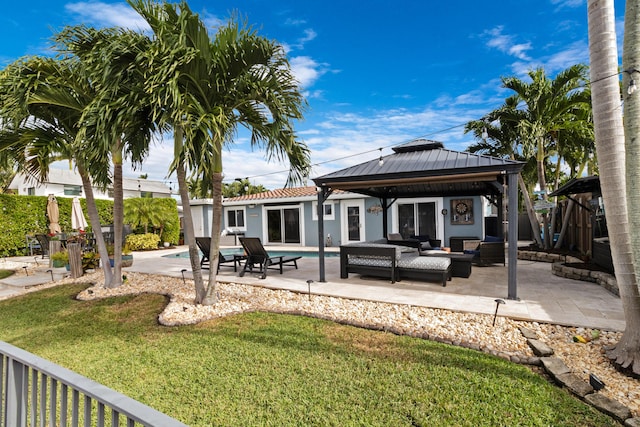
424,263
492,239
399,249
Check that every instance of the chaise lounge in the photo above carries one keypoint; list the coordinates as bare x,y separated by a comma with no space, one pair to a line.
204,244
257,255
393,262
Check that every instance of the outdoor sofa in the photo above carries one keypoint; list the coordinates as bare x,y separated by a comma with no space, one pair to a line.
392,261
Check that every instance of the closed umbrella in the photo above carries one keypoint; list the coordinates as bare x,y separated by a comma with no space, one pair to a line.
54,214
78,222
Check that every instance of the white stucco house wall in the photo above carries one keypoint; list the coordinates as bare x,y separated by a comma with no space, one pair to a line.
67,183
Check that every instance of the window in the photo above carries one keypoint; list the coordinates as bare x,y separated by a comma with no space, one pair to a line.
235,218
147,194
73,190
31,191
327,209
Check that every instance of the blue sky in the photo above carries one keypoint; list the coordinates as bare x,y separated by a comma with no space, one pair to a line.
375,73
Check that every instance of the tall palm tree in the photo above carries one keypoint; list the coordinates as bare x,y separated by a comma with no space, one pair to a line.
500,138
120,111
539,109
614,163
207,89
42,101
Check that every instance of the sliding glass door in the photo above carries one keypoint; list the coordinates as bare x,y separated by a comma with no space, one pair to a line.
283,225
417,218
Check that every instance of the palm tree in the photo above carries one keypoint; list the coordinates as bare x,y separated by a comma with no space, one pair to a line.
610,146
548,106
42,103
120,110
538,110
208,89
500,138
145,211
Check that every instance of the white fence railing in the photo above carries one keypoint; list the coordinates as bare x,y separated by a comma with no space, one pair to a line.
36,392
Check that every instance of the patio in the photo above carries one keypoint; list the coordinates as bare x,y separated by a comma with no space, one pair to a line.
544,297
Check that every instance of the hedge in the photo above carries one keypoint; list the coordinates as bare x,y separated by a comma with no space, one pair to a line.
23,215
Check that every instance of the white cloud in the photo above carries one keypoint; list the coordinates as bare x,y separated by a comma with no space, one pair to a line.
108,15
567,3
505,43
307,70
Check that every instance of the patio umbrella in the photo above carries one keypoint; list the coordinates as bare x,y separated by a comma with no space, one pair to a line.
54,214
78,222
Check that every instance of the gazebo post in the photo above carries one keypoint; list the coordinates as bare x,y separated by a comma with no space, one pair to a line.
323,194
385,207
512,190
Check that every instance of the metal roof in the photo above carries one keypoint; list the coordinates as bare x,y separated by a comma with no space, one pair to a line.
423,168
588,184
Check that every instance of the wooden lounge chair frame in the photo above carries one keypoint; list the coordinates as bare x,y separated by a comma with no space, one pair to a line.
257,255
204,243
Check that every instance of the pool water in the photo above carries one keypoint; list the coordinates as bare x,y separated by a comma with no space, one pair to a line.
306,254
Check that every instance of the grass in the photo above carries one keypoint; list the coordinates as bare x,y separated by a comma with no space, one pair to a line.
277,370
5,273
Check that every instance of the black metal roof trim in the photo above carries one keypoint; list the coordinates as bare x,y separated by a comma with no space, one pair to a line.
588,184
418,145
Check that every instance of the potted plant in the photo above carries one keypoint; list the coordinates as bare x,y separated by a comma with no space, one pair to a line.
60,259
90,260
127,256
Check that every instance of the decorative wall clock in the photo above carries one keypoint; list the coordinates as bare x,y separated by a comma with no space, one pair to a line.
461,211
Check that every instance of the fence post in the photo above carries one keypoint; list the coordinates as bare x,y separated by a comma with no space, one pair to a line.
16,397
75,260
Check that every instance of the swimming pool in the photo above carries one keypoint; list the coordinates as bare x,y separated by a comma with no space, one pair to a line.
274,253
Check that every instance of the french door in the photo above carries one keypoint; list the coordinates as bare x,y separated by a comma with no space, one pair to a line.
353,221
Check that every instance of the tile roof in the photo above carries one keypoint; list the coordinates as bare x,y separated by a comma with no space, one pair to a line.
280,193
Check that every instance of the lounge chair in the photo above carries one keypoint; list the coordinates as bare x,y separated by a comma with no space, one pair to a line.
257,254
43,241
204,243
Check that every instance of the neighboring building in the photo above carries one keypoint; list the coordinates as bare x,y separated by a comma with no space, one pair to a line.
67,183
289,216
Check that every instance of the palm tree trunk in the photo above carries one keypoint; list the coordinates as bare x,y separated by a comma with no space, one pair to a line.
187,218
94,219
565,223
533,218
609,132
118,214
216,225
542,180
627,352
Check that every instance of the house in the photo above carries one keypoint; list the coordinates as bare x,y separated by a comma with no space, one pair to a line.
67,183
289,216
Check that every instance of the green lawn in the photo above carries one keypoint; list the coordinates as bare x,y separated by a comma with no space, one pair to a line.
277,370
5,273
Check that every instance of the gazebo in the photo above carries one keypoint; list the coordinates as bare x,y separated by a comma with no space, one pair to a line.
424,168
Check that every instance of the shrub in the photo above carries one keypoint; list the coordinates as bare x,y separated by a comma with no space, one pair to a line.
26,215
61,256
143,242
